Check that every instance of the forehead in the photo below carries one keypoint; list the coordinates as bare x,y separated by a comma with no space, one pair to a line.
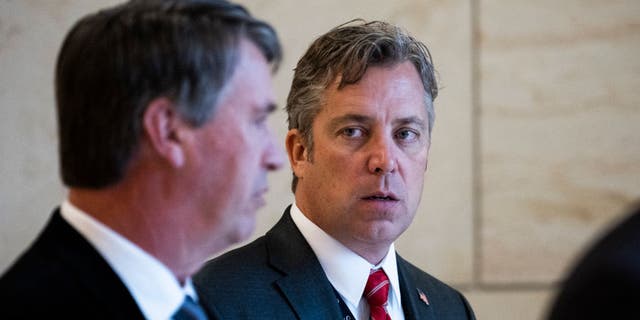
395,90
250,85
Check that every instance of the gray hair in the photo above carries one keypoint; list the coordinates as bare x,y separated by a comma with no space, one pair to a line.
347,51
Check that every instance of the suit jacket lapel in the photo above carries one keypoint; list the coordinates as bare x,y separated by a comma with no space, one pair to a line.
90,269
413,297
304,283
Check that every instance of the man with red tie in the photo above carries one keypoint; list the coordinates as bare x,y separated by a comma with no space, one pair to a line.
360,114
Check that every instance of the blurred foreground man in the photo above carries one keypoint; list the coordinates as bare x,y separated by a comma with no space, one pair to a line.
164,147
360,118
605,282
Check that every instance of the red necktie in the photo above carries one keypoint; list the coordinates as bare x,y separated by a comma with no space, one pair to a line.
377,292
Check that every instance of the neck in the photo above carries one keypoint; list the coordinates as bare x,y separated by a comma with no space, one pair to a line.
373,255
151,225
372,251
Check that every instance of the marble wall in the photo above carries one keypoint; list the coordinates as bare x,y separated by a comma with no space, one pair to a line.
534,152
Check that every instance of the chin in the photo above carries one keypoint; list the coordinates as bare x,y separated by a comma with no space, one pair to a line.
243,231
384,233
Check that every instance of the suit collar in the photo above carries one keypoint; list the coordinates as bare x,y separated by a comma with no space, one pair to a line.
415,303
306,287
152,284
89,268
346,270
303,283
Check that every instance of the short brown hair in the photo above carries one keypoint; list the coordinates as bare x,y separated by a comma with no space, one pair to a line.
347,51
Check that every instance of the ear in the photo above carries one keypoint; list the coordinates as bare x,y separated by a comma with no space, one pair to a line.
297,152
162,126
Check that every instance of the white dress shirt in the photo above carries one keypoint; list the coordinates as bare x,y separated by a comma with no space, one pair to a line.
347,271
153,286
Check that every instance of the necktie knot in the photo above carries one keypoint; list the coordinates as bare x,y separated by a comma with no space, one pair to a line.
189,310
376,292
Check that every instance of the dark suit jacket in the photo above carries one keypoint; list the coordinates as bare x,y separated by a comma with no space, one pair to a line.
279,277
605,284
63,276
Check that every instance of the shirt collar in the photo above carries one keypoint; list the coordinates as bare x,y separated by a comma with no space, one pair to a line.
347,271
153,286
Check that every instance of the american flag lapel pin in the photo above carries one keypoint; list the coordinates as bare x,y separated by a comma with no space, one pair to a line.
423,297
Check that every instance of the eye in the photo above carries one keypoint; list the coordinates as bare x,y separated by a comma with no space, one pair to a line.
352,132
407,135
260,120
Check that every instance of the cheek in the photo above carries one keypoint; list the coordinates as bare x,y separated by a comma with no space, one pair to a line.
417,181
414,180
246,148
416,164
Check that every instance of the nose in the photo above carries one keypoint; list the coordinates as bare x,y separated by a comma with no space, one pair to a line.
273,157
382,159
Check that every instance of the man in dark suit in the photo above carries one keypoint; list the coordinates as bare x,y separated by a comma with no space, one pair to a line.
164,146
605,284
360,115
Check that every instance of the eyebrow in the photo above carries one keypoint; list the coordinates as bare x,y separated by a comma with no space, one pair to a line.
411,120
335,123
271,107
339,121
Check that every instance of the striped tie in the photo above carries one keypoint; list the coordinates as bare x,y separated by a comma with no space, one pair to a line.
377,292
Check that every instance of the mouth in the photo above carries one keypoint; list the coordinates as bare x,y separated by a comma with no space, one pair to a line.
260,191
381,196
259,197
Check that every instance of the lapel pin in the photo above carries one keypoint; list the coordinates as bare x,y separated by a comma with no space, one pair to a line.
423,297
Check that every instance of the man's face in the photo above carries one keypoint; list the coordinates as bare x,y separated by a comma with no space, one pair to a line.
233,152
371,140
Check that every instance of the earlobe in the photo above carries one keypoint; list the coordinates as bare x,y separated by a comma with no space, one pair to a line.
162,126
296,151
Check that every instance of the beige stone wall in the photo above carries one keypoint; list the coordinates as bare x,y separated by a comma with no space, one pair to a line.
536,147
